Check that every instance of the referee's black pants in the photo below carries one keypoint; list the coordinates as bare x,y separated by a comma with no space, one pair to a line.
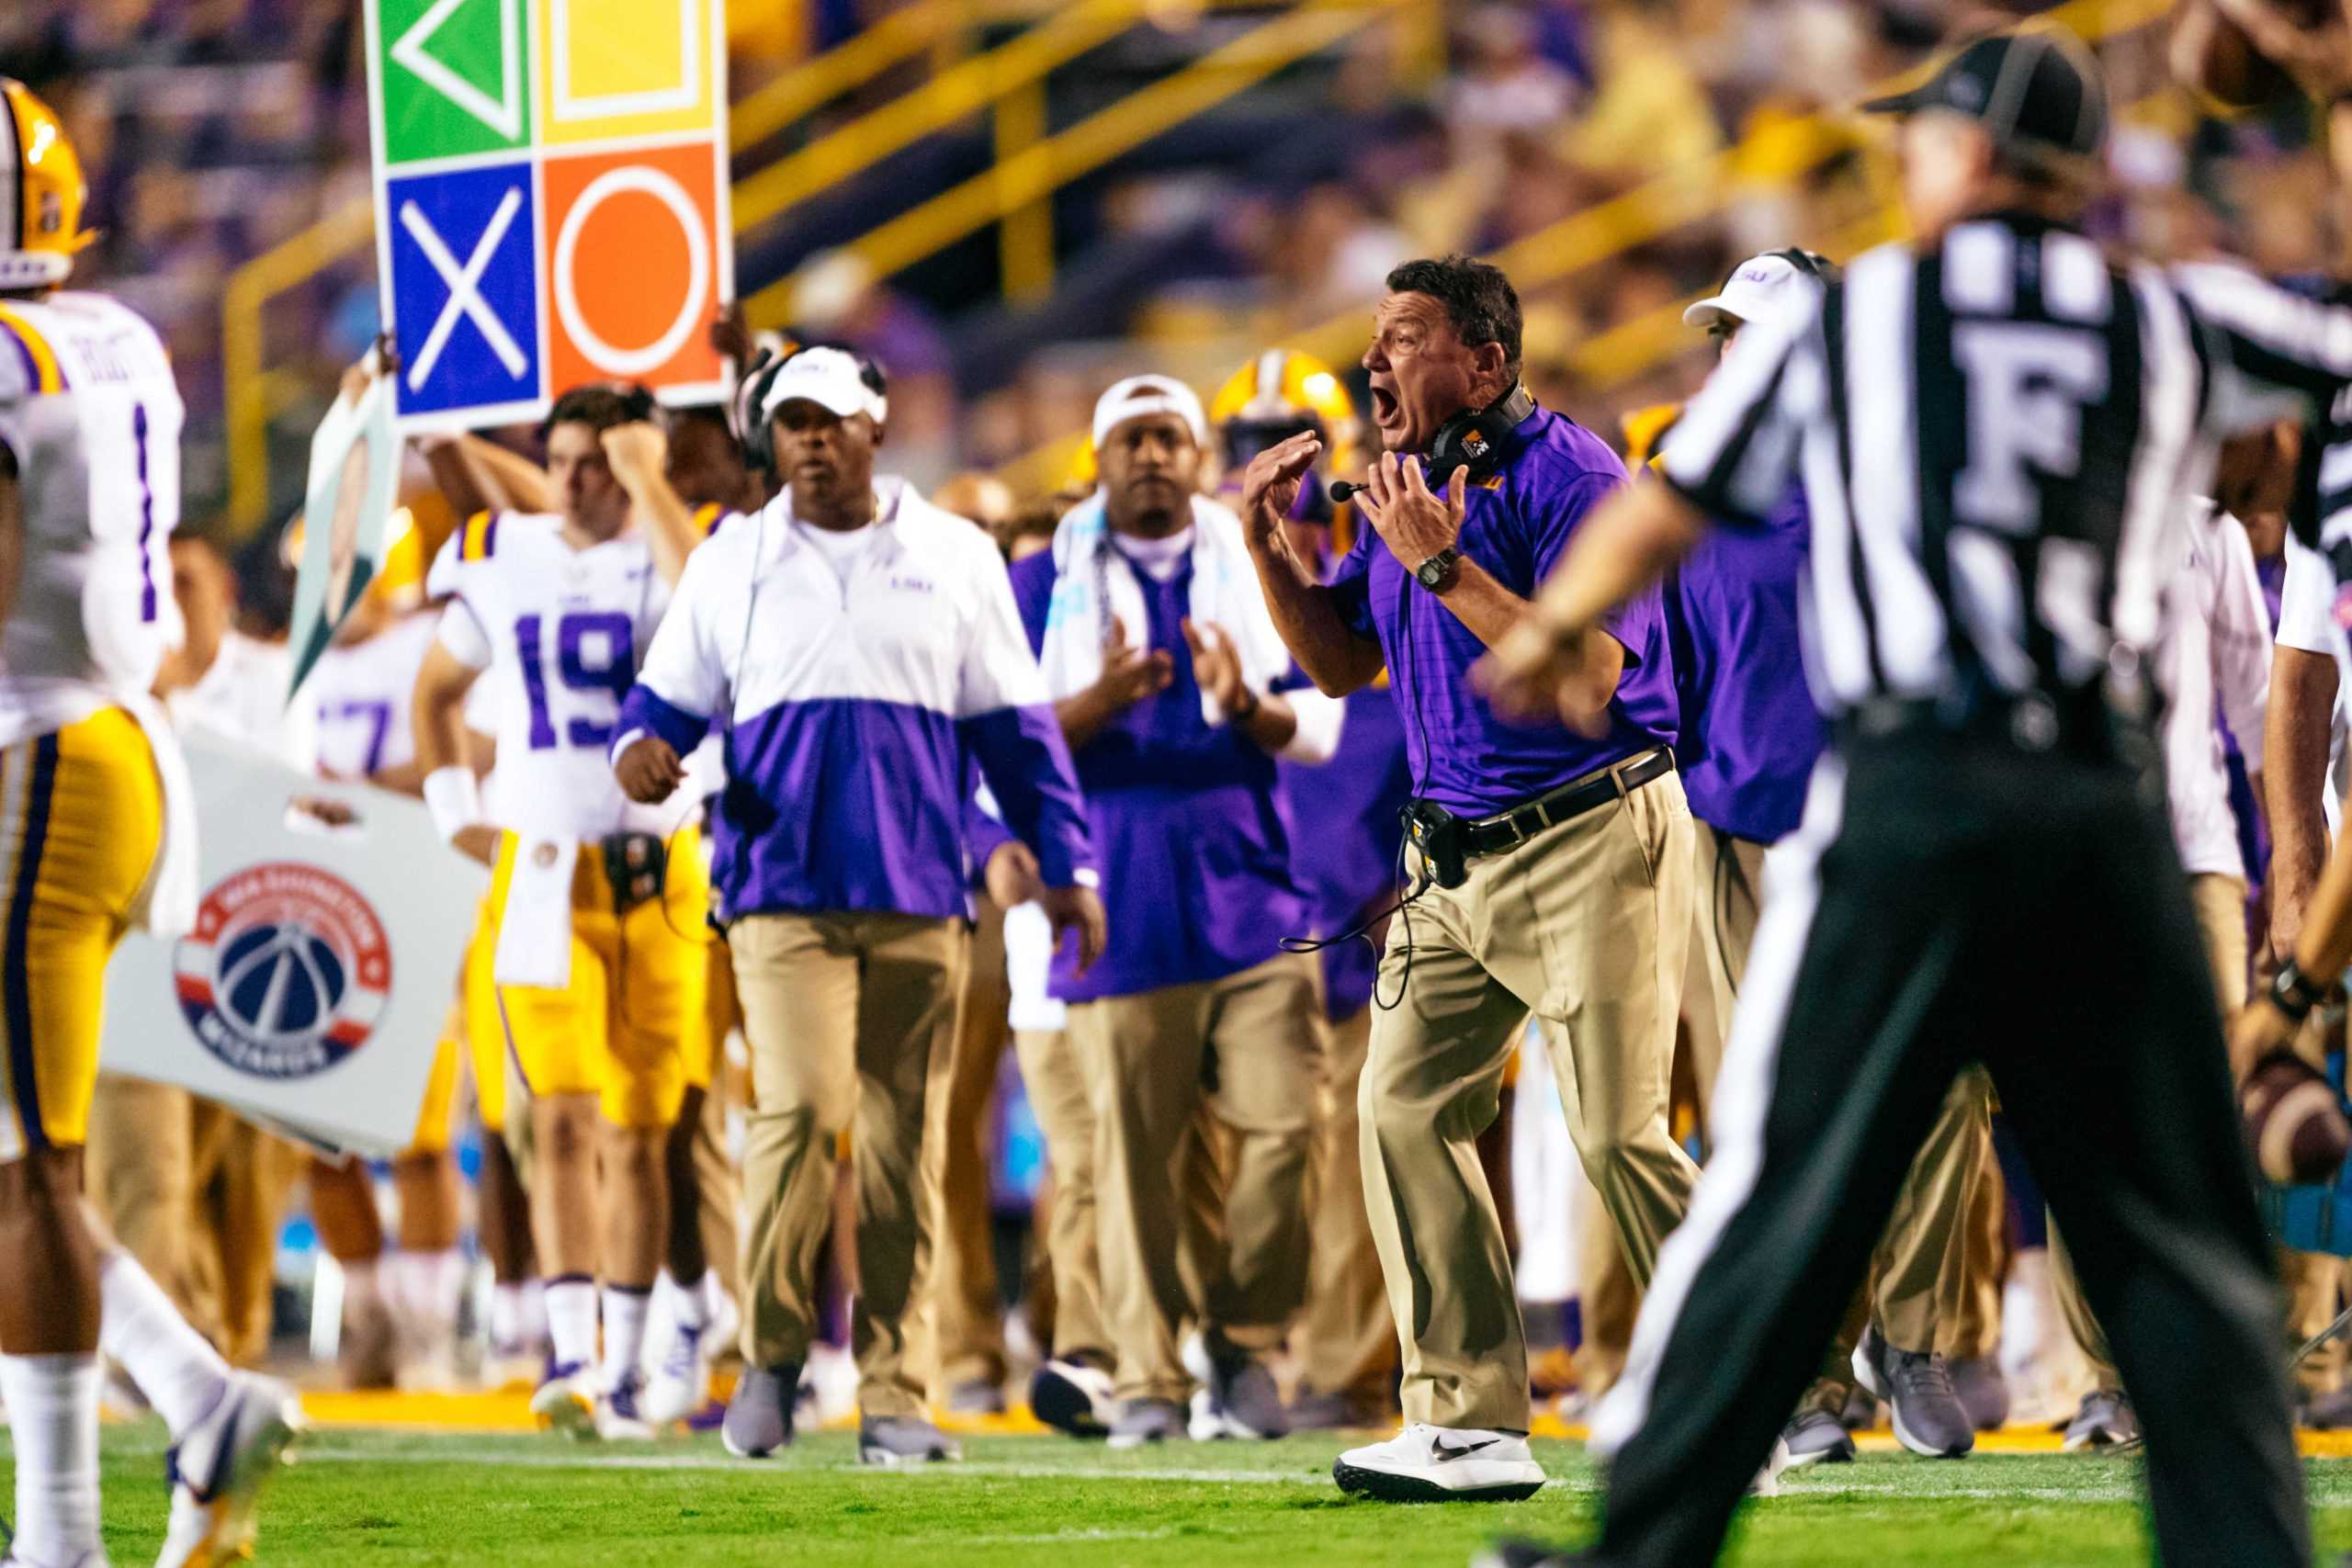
1952,900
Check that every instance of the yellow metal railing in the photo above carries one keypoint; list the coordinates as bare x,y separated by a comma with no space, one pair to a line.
976,84
248,390
1031,175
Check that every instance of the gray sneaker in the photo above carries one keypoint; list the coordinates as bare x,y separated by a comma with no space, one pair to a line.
976,1396
758,1419
1142,1421
1916,1387
1817,1437
898,1442
1983,1391
1243,1401
2105,1420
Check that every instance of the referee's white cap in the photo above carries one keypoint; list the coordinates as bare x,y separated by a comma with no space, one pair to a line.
1770,288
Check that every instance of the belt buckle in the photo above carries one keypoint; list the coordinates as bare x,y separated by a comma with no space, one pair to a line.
1517,833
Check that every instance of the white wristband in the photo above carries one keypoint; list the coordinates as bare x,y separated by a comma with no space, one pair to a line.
454,798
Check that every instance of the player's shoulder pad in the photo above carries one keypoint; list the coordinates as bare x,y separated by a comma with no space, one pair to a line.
29,364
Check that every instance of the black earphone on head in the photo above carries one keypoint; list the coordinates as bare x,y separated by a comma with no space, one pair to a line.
1474,439
750,410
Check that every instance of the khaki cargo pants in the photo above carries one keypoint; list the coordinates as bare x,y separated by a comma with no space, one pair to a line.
1587,926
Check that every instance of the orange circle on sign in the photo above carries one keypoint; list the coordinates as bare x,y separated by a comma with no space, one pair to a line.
628,289
635,240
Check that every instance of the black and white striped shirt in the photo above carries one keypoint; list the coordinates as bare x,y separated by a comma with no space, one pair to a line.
1997,439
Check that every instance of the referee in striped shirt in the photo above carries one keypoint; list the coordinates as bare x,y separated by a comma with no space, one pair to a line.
1997,430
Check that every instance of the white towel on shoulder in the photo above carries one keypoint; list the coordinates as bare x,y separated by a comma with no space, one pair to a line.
1093,582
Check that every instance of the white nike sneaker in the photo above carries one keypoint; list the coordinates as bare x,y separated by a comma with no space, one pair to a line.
217,1468
1768,1479
679,1383
1440,1464
620,1416
566,1400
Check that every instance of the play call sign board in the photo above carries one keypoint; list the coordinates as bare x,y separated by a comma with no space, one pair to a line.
551,200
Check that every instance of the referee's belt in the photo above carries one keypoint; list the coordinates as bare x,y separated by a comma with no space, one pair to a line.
1508,829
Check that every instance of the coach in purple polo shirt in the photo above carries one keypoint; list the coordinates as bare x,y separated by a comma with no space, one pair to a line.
1176,695
1568,855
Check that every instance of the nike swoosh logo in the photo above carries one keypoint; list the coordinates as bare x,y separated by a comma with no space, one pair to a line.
1442,1454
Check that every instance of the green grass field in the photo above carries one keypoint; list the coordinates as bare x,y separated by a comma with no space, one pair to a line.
386,1499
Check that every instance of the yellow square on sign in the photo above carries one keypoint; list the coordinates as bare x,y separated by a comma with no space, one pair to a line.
620,68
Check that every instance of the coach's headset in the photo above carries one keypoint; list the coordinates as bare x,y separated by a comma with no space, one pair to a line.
751,420
1473,439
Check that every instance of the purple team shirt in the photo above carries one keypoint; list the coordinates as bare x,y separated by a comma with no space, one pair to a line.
1466,757
1751,732
1187,821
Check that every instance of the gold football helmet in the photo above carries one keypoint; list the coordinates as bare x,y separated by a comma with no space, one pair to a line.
1278,394
42,193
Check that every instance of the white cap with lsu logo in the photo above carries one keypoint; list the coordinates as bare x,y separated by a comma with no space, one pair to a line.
831,378
1770,288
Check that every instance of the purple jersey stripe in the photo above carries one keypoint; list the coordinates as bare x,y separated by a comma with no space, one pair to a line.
146,517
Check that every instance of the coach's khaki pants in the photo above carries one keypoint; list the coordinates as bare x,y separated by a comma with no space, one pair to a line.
196,1194
843,1014
2219,903
1919,1287
1245,1048
1346,1342
1054,1072
967,1322
1728,894
1587,925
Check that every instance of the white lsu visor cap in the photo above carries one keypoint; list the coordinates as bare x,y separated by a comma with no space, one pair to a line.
830,377
1140,395
1769,288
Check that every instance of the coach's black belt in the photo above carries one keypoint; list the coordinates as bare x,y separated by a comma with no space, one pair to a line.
1508,829
1448,843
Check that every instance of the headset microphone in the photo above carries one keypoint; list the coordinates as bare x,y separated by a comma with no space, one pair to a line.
1341,489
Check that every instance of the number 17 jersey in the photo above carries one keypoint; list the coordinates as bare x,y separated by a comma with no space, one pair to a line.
559,632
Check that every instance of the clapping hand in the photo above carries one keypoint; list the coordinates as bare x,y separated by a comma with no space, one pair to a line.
1216,665
1131,673
1270,484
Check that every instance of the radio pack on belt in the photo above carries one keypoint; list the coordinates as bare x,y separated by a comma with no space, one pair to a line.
636,865
1437,833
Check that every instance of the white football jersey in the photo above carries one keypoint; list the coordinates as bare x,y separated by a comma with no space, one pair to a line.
89,409
362,700
559,633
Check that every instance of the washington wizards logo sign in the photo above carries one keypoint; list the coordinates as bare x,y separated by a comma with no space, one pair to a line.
287,973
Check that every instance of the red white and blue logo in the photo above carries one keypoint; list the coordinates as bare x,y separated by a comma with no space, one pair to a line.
287,973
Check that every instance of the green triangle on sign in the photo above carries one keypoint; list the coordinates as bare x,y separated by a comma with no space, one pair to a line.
471,52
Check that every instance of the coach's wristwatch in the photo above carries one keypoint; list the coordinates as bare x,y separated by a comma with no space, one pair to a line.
2294,993
1438,573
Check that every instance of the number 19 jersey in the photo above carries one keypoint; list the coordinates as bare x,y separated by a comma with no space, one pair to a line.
559,632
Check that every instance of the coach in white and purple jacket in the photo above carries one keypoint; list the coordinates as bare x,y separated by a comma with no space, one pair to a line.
854,645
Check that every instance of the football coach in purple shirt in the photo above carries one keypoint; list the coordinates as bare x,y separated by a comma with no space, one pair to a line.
1553,865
